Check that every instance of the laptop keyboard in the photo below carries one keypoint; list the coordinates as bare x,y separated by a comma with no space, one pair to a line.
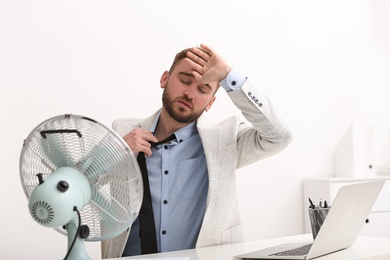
302,250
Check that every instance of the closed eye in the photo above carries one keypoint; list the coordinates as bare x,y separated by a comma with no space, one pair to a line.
202,90
186,82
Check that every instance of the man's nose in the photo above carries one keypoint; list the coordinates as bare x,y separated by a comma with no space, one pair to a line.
190,91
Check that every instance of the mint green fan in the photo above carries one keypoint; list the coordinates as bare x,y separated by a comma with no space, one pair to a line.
80,178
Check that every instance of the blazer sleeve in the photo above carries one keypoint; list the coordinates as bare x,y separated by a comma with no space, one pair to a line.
264,132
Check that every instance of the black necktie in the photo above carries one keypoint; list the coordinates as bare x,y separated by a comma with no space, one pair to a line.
146,217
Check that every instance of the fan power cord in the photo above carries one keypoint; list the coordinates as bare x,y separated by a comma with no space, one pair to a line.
77,233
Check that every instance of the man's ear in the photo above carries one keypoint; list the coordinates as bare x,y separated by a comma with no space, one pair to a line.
164,79
210,103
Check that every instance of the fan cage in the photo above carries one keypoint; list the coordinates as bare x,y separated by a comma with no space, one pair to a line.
98,153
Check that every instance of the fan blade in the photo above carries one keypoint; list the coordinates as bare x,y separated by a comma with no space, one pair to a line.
54,152
101,159
54,145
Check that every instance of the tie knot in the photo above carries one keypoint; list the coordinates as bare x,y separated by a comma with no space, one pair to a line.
169,138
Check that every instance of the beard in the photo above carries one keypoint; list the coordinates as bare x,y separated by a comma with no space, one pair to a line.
179,114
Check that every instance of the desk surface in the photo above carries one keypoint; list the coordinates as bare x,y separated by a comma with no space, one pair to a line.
364,248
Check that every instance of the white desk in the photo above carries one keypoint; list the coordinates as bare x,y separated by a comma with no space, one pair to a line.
364,248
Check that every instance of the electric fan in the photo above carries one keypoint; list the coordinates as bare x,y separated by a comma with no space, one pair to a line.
80,178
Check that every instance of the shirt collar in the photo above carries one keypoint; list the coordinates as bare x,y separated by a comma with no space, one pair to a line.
182,134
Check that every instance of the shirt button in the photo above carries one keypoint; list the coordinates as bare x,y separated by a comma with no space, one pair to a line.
165,202
233,83
165,146
166,172
164,232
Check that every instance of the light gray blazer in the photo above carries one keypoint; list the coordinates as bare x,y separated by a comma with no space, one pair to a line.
228,145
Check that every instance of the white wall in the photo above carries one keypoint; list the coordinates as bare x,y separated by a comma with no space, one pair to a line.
324,64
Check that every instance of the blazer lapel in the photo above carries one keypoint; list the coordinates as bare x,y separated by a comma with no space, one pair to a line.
211,138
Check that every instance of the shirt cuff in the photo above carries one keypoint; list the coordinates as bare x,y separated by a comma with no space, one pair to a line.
233,81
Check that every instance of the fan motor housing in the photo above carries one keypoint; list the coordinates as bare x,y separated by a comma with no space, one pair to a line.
52,206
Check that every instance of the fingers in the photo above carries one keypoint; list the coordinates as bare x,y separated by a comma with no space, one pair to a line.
200,55
138,140
204,51
207,65
199,59
195,61
206,48
198,77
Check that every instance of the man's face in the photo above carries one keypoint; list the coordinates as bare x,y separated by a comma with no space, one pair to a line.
184,98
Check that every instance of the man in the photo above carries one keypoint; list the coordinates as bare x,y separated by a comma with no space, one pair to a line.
192,177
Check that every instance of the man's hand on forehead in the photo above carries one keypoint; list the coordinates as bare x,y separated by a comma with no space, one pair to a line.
207,65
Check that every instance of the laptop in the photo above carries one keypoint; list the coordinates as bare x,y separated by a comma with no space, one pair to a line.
340,228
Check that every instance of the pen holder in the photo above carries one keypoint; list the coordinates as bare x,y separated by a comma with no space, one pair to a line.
317,217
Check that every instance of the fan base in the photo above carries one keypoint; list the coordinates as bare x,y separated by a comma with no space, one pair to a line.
77,252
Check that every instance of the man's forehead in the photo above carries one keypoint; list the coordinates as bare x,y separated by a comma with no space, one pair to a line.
183,69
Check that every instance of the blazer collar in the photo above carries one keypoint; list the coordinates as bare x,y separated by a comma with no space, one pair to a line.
148,122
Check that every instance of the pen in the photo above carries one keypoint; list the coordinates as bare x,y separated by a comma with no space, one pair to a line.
312,206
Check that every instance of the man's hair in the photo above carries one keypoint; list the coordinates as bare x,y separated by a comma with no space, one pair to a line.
179,56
